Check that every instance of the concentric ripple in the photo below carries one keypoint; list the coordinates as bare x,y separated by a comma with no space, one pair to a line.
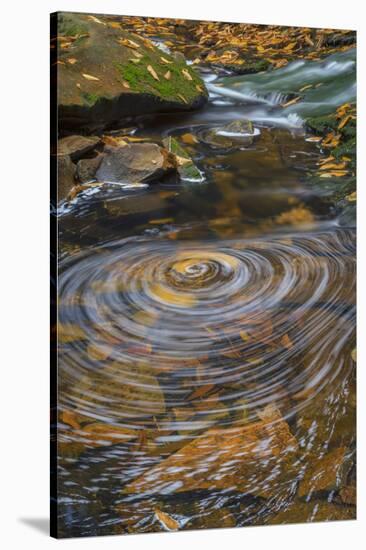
149,326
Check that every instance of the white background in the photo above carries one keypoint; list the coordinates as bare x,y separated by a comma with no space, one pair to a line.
24,181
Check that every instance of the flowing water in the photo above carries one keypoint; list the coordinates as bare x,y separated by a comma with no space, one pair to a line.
227,304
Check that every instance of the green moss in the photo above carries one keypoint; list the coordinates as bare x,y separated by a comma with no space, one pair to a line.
68,26
141,80
335,190
348,149
90,99
322,124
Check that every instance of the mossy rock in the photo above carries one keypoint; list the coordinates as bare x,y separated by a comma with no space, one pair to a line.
105,74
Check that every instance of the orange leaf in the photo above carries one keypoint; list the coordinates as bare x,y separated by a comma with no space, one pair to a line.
167,521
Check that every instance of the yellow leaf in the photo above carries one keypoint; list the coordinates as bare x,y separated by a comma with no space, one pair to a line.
305,87
96,20
166,61
98,352
333,166
186,74
152,72
182,98
180,299
167,75
344,121
69,333
72,60
352,197
291,102
161,221
127,42
189,139
244,335
314,139
334,173
90,77
167,521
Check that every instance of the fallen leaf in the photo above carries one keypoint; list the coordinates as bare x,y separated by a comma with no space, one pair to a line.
352,197
244,335
286,342
167,75
186,74
305,87
344,121
70,418
333,166
127,42
200,391
161,221
72,60
166,61
291,102
89,77
96,20
167,521
314,139
152,72
98,352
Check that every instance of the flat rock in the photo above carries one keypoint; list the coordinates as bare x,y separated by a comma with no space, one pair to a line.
134,163
105,73
237,133
76,146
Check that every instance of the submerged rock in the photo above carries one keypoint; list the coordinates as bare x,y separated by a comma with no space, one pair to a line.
238,133
105,73
135,163
251,459
118,392
303,512
326,473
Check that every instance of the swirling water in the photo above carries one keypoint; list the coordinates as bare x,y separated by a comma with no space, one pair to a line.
191,311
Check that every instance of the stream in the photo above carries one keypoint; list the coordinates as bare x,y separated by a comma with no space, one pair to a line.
201,304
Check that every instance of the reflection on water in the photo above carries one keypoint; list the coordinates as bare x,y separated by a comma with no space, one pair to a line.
206,342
